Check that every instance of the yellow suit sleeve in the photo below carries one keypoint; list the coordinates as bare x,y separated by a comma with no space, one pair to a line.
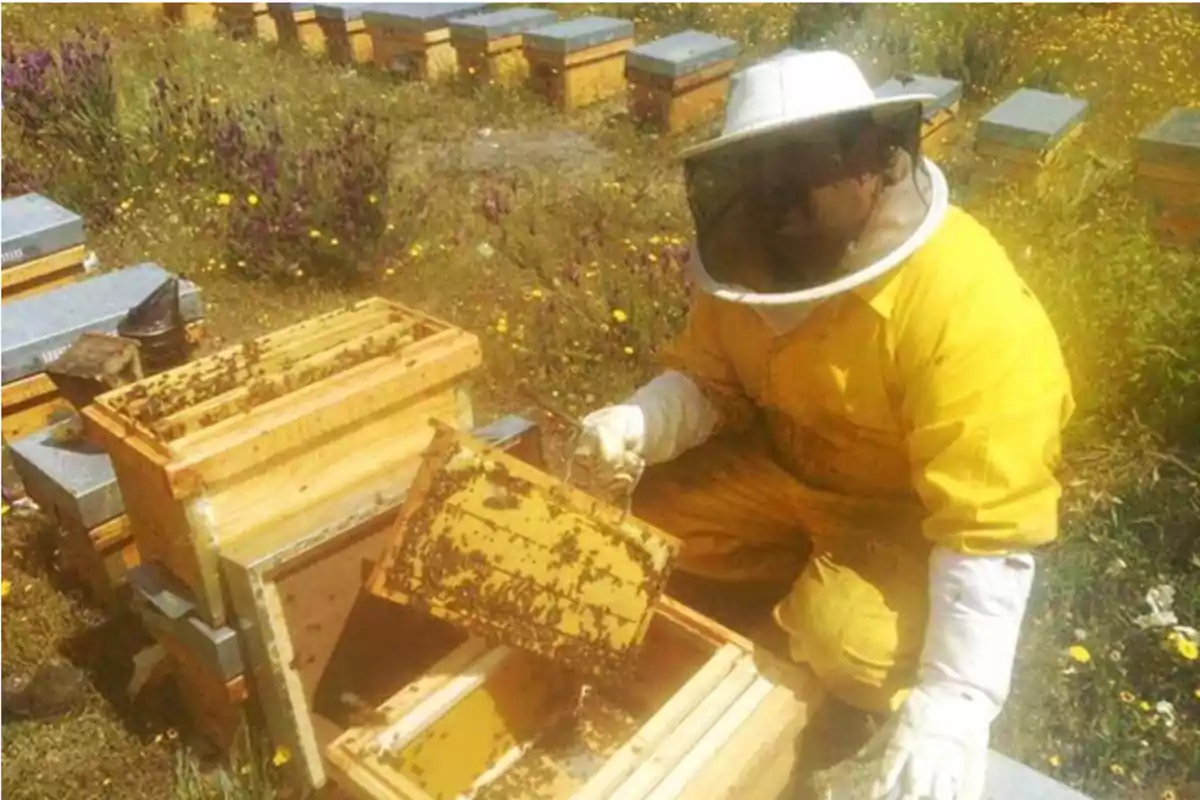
698,352
986,397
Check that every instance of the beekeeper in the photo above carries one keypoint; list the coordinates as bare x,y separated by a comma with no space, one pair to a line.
860,423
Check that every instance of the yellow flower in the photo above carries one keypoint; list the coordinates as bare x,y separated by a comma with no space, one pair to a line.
282,756
5,588
1055,761
224,199
536,293
1185,646
1144,706
389,271
628,350
1079,653
334,241
1169,794
502,325
415,250
1116,769
299,273
252,199
619,315
314,234
372,199
1127,697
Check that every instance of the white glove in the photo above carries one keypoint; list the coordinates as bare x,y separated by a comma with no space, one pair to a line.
937,744
664,418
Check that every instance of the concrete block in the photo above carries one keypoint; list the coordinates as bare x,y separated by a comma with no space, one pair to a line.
36,330
1033,120
76,478
578,34
682,53
34,226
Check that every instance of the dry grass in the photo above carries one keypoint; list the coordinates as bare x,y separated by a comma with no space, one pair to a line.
560,247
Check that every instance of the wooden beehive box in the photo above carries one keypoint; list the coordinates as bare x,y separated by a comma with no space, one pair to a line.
300,19
490,46
413,39
286,426
509,552
1168,175
937,115
699,717
680,80
37,330
1029,129
580,61
346,38
201,16
42,246
73,482
320,648
265,27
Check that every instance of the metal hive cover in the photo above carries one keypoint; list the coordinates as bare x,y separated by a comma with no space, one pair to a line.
682,53
1174,139
34,226
36,330
577,34
416,16
947,90
78,477
498,24
1031,119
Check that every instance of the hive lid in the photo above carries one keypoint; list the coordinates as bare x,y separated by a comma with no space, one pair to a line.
1174,139
417,17
946,90
498,24
36,330
347,12
578,34
682,53
34,226
76,477
1030,119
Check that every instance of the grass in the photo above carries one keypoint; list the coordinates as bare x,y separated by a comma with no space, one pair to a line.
560,246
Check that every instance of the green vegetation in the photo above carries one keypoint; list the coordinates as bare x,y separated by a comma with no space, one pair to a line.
283,186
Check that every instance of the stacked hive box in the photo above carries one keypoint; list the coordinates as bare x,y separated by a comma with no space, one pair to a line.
681,80
321,650
202,16
346,38
580,61
413,39
938,114
74,484
1168,175
1028,130
490,46
42,245
38,329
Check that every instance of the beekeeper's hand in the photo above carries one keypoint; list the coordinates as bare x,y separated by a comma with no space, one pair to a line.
937,747
664,418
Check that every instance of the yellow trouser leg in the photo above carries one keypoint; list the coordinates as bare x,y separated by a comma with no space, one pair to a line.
856,613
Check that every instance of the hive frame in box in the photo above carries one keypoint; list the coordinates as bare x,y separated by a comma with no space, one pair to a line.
254,570
275,434
728,732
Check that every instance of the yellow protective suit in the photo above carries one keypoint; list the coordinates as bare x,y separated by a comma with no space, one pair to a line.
922,408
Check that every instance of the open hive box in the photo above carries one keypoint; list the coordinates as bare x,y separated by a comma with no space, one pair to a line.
698,716
279,432
510,553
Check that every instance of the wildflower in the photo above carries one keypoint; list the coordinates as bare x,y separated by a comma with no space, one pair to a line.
655,239
1184,642
536,294
172,734
628,350
619,315
1167,711
372,199
127,204
252,199
1079,653
1169,794
282,756
5,588
314,234
1055,761
389,271
391,227
502,325
1144,706
1127,697
1116,769
415,251
224,199
334,241
299,273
